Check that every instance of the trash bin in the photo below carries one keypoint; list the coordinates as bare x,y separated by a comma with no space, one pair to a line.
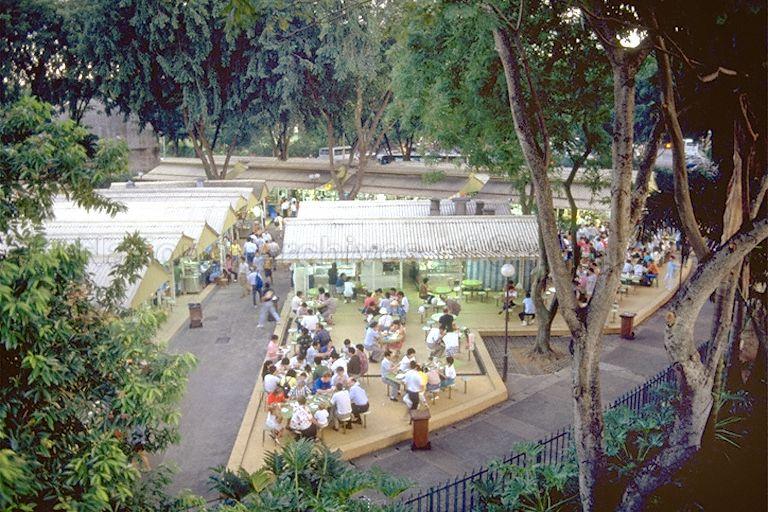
195,315
420,420
627,320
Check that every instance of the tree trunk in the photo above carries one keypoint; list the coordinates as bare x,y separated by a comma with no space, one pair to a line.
544,315
696,377
337,183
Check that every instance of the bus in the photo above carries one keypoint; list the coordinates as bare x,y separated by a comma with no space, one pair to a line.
340,153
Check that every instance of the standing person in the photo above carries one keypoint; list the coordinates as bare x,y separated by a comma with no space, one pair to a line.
250,249
413,386
349,290
285,207
405,305
269,263
229,270
242,275
256,284
669,277
333,275
363,359
268,301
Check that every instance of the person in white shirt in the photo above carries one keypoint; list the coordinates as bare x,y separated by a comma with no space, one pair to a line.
342,405
309,321
529,309
359,399
451,341
405,362
297,362
271,381
448,375
387,368
627,269
385,320
639,270
413,386
296,301
321,417
434,336
249,248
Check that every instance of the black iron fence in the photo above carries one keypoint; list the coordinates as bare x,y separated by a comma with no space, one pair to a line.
459,494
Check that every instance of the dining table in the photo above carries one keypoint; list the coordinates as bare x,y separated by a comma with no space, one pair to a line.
314,403
442,290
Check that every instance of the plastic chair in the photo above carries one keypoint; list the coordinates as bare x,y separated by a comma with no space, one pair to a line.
344,421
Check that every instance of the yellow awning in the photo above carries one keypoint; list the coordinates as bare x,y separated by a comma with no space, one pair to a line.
153,279
207,237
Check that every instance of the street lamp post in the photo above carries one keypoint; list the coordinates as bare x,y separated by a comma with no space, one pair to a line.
508,271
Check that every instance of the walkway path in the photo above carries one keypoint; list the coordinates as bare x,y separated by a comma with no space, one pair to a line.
537,405
229,351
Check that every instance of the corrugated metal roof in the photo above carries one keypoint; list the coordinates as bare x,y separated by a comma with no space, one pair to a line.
102,239
216,212
387,209
150,278
433,238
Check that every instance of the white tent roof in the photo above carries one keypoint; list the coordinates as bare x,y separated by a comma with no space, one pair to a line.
216,212
433,238
236,196
102,239
387,209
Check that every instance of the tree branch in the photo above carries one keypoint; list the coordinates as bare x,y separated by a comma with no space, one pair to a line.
682,189
644,173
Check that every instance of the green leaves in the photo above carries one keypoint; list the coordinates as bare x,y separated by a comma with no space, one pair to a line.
41,157
77,380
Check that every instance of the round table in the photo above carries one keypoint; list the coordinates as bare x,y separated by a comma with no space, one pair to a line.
472,283
436,316
443,290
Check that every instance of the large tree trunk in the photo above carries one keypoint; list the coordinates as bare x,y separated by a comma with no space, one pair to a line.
544,315
696,377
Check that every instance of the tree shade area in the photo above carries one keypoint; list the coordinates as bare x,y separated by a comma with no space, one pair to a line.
662,103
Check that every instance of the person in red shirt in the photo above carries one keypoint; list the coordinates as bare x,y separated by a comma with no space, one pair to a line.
277,396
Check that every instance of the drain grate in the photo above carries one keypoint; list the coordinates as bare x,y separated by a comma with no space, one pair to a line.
222,340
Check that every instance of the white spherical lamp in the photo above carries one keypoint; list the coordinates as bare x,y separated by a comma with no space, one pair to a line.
508,270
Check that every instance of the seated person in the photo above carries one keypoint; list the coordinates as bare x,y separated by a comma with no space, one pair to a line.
628,268
424,291
322,336
300,388
288,380
297,362
387,368
371,342
385,320
448,375
274,423
397,337
408,358
313,351
353,363
277,396
283,366
639,270
339,377
321,418
323,384
273,348
342,405
529,309
329,305
310,321
302,421
434,342
363,359
304,341
433,379
359,399
349,290
385,302
451,341
370,303
319,369
271,381
297,301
